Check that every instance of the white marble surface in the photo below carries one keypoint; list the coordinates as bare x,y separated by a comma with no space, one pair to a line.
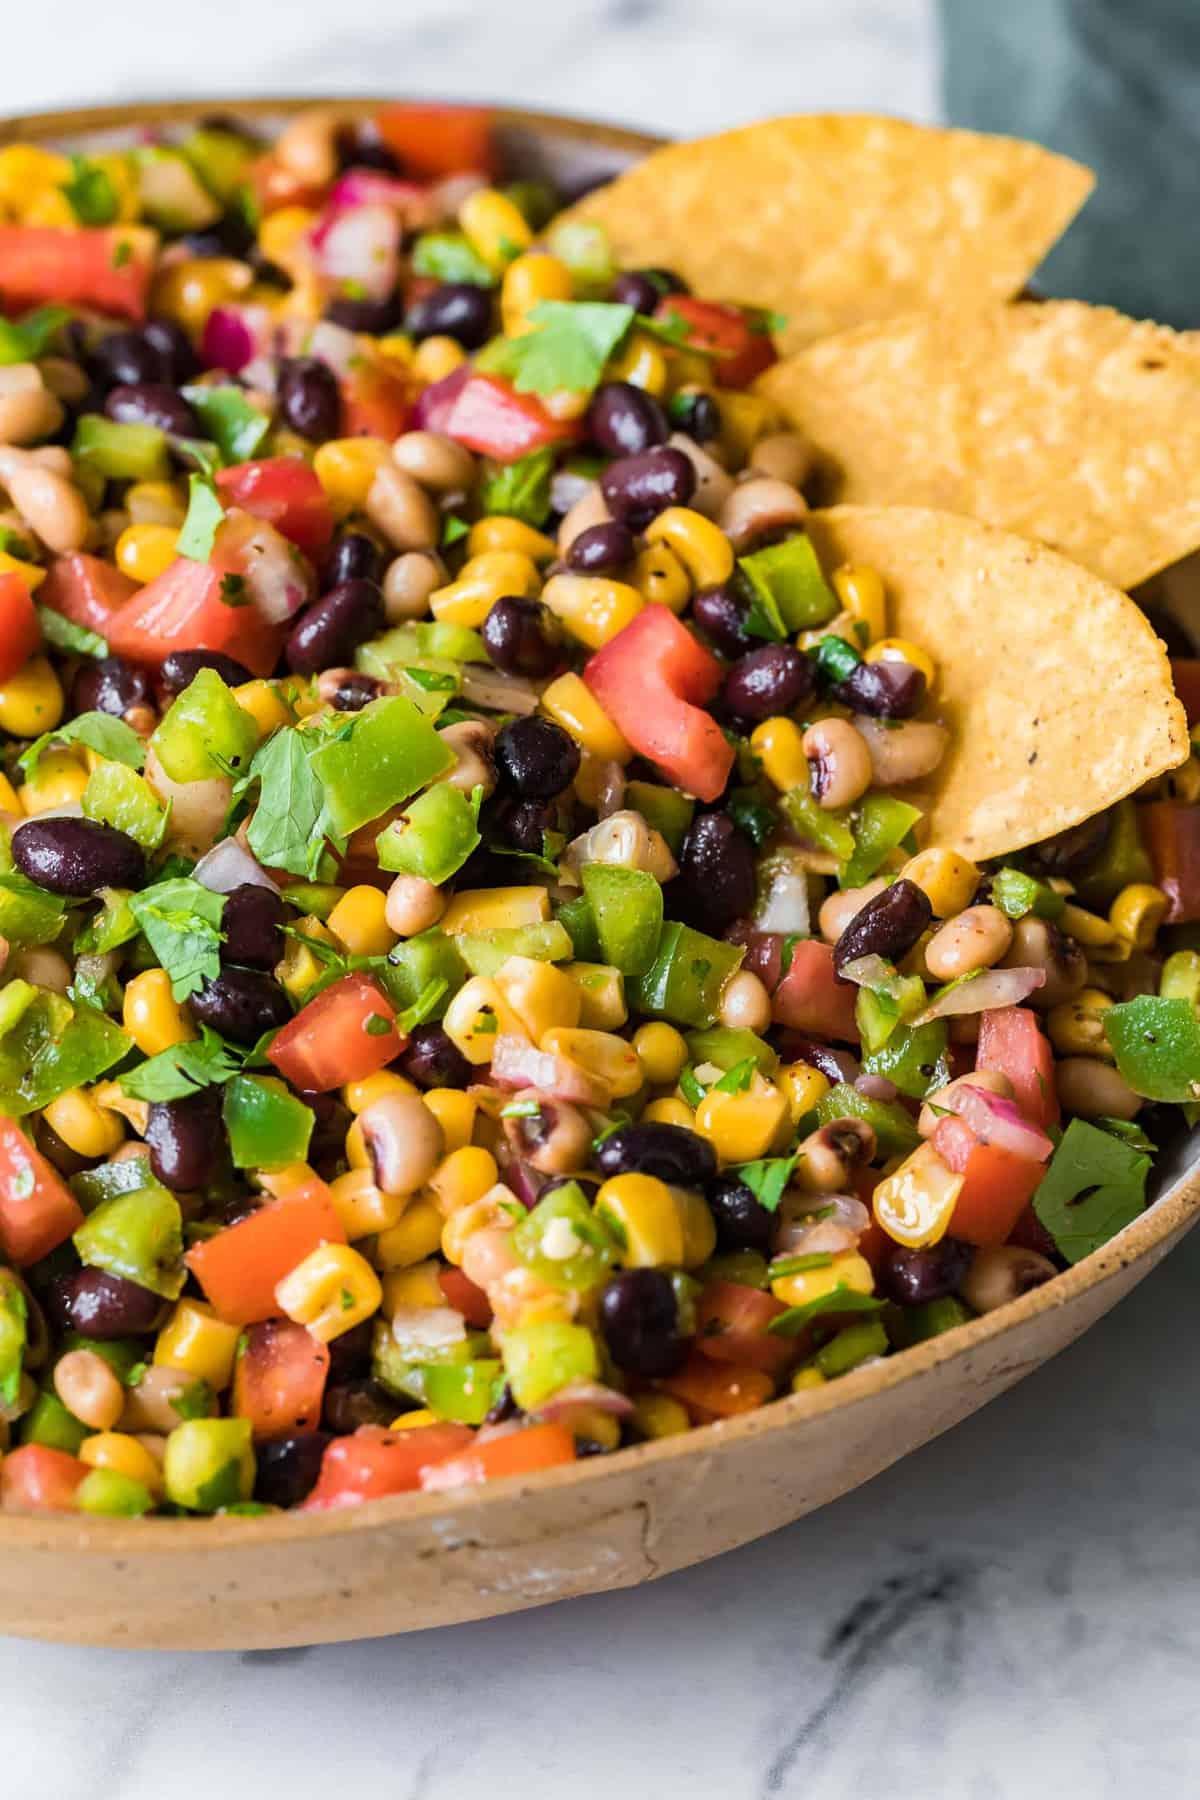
1008,1615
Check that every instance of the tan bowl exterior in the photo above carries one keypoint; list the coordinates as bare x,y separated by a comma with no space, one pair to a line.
438,1559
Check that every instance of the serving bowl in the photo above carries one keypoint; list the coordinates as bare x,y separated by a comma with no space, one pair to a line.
608,1522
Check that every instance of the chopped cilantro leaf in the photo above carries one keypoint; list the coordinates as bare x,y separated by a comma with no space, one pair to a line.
63,633
521,490
737,1079
689,1087
24,340
180,920
204,515
454,530
99,731
90,192
283,833
568,347
184,1069
767,1179
1093,1187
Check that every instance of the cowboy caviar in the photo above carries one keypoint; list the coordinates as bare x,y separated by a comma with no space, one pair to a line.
476,992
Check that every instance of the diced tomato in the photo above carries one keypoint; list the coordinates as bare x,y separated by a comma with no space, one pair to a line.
184,609
713,1390
38,1211
524,1452
279,1382
337,1036
731,1327
86,589
434,140
36,1478
997,1185
811,998
489,416
239,1268
1012,1044
739,350
1186,673
375,399
372,1463
285,492
465,1297
1172,833
652,680
20,633
106,269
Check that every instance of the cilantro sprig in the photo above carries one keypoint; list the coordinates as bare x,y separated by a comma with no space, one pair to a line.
1094,1185
569,344
181,921
108,736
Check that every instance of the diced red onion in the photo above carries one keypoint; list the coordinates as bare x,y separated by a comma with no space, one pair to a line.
229,865
516,1063
332,344
499,692
278,579
233,335
428,1327
487,1434
361,245
994,988
434,405
876,1087
997,1120
371,187
566,487
848,1219
785,906
571,1399
868,971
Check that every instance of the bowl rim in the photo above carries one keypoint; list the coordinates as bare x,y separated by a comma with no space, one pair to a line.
1164,1219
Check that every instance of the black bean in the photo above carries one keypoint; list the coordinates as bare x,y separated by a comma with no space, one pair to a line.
666,280
111,685
181,668
129,358
353,556
350,1351
698,415
241,1004
152,403
77,856
268,273
286,1468
883,690
453,309
742,1222
720,612
349,1404
835,1065
309,399
504,1408
638,488
99,1305
375,317
632,288
174,345
913,1276
639,1316
525,822
361,147
717,882
186,1139
535,758
768,681
432,1059
521,637
355,692
331,1121
328,632
601,549
671,1152
242,1206
888,925
623,420
253,921
232,235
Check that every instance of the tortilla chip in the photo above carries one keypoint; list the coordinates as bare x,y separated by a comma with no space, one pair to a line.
1056,690
1064,422
832,219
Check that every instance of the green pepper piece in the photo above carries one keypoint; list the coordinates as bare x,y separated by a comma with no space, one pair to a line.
574,1255
894,1128
48,1422
879,1010
627,905
447,256
851,1347
687,977
727,1046
827,829
119,796
664,809
172,195
432,643
579,921
28,914
462,1392
432,837
54,1046
112,1495
315,898
746,1267
1094,1185
543,1357
914,1324
205,734
1156,1043
138,1235
268,1127
485,951
209,1463
787,579
914,1057
113,926
14,1313
229,419
93,1186
389,752
881,824
1017,894
842,1300
1123,859
412,965
220,158
115,452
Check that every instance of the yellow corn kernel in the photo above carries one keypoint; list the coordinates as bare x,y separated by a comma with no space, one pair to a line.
915,1203
609,1059
59,780
601,995
8,795
847,1270
659,1416
417,1286
455,1112
124,1455
27,170
496,229
648,1215
480,583
398,346
779,745
947,880
299,692
660,578
283,236
358,920
188,291
599,1427
154,503
413,1421
699,1227
289,1179
435,358
662,1052
196,1341
701,546
804,1379
540,995
331,1291
533,278
31,701
499,533
481,1215
299,968
571,704
743,1127
31,573
50,208
670,1111
144,552
363,1208
463,1177
1087,928
593,608
745,417
475,1017
804,1086
151,1014
489,909
903,650
1137,912
83,1124
416,1234
346,467
358,1095
265,704
642,364
1076,1026
861,592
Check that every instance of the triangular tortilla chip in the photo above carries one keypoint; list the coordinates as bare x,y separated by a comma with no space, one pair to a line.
832,219
1056,690
1064,422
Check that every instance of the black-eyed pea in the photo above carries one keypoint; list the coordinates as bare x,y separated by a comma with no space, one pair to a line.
471,740
761,507
42,967
974,939
51,506
413,905
408,582
902,750
590,509
307,147
1092,1089
785,456
1001,1274
89,1389
745,1003
64,378
714,484
844,904
28,410
839,762
437,462
402,510
1039,944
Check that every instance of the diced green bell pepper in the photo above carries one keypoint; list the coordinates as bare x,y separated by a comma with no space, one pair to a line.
220,158
579,921
543,1357
914,1324
172,197
54,1046
485,951
229,419
462,1392
111,1495
204,733
828,830
894,1128
1017,894
48,1422
688,975
138,1235
914,1057
91,1187
14,1313
1156,1043
881,823
120,452
1124,859
315,898
1094,1185
439,647
390,752
787,579
627,905
268,1127
447,256
121,797
28,914
209,1463
851,1347
746,1267
664,809
114,925
432,837
401,1367
727,1046
879,1010
574,1254
412,965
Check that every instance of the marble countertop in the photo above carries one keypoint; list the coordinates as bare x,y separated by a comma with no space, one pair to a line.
1009,1614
